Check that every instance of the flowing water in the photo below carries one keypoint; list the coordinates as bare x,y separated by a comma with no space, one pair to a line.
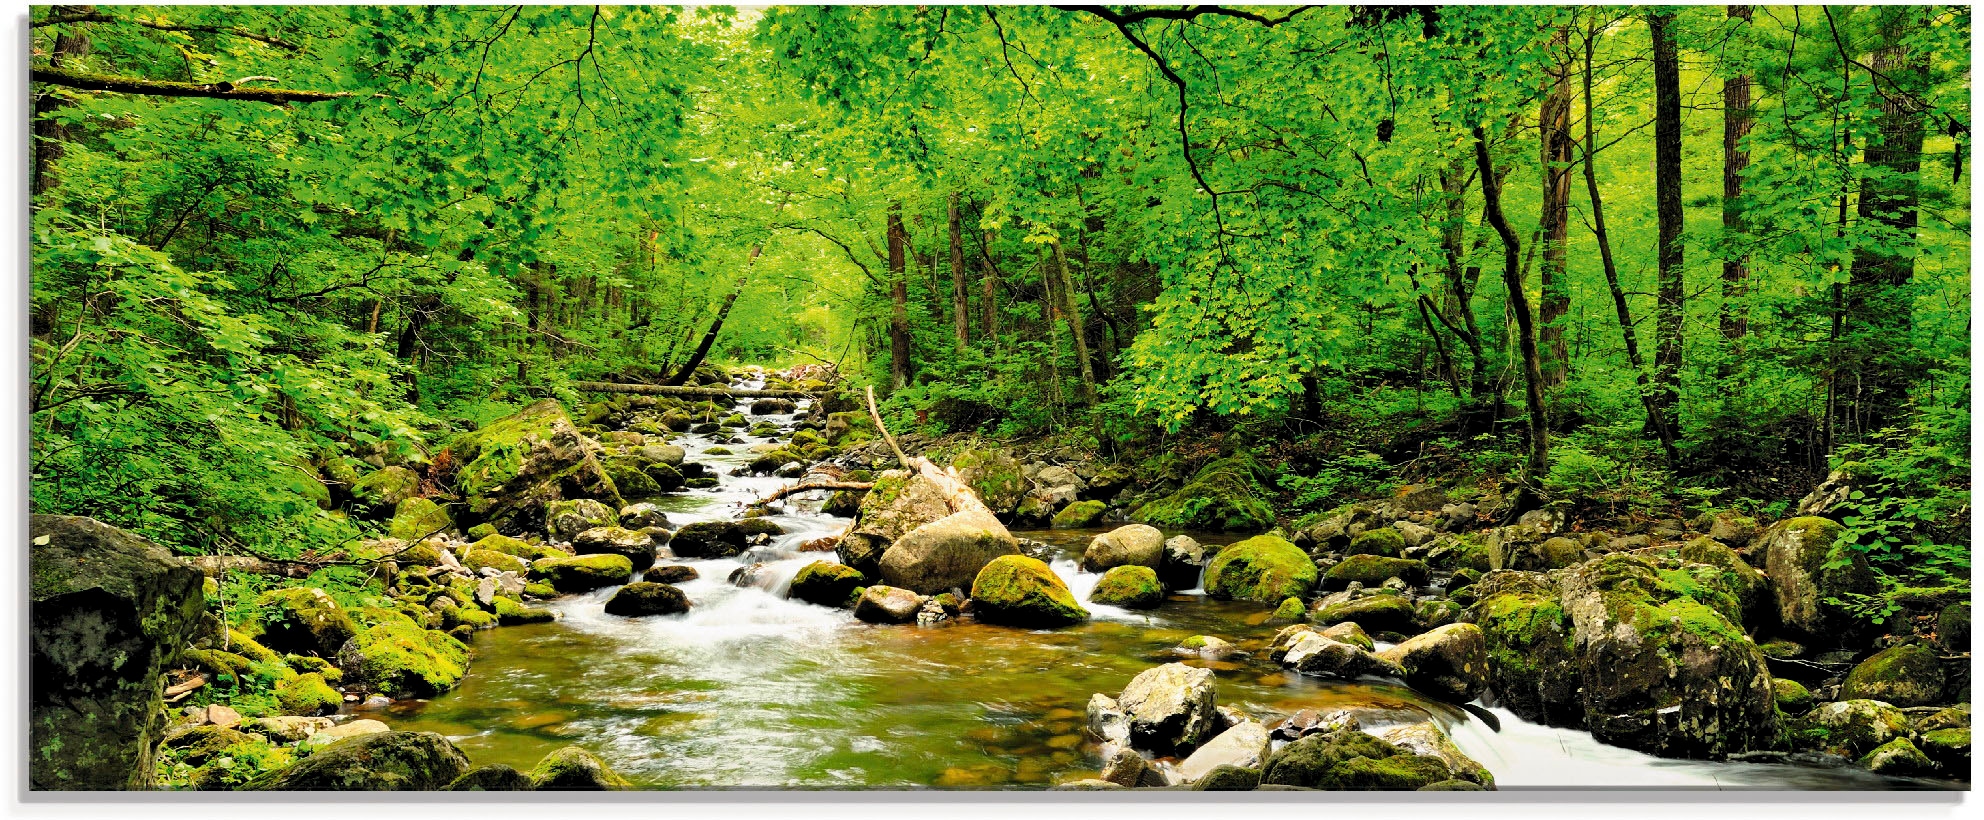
752,690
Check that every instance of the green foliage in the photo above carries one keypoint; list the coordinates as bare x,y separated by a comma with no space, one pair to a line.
1357,474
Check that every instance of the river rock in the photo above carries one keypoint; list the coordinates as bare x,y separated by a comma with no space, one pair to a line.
1428,739
1349,632
287,728
380,491
1312,654
1855,727
1129,545
643,598
881,604
495,777
1244,745
327,735
1449,663
1795,554
564,520
583,573
1309,722
1127,768
1351,761
387,761
398,658
946,553
108,616
642,515
574,769
1078,515
1184,560
1107,721
826,584
1905,675
509,469
1374,613
995,475
709,539
1264,568
1129,586
1374,570
1020,591
637,546
304,621
1898,758
1530,650
1169,708
1228,779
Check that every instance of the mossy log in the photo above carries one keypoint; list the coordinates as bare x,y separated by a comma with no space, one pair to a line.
696,392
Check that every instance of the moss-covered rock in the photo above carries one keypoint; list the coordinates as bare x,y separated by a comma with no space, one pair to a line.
994,474
377,493
826,584
1289,611
583,573
1852,728
1228,778
1374,570
1133,587
417,518
1796,555
109,613
1374,613
1792,697
1530,647
384,761
564,520
1224,496
1898,757
630,476
303,620
1381,541
308,694
476,559
1905,675
1077,515
495,777
1949,748
510,468
708,539
643,598
1264,568
399,659
574,769
1449,663
1348,760
510,612
636,546
1020,591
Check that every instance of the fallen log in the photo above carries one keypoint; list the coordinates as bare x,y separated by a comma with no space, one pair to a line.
694,392
816,485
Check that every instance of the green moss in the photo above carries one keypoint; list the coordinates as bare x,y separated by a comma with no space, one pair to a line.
401,660
826,584
481,531
1374,613
1264,568
1135,587
1906,675
1077,515
417,518
477,559
510,613
1792,697
1383,541
513,546
1022,591
307,663
1291,611
1224,496
308,695
574,769
582,573
1373,570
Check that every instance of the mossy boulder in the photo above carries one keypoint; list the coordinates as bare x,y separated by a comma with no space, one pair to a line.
1905,675
1530,647
1020,591
994,474
510,612
1953,627
574,769
1852,728
1899,758
1132,587
495,777
1129,545
1380,541
1289,611
304,621
826,584
1374,570
1449,663
1749,586
636,546
510,468
643,598
109,613
476,559
378,492
1796,557
1349,760
1224,496
564,520
1949,748
1792,697
583,573
1228,778
384,761
308,694
1265,568
1374,613
399,659
1078,515
631,478
671,574
708,539
417,518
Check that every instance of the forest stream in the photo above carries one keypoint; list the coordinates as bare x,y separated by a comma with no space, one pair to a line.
752,690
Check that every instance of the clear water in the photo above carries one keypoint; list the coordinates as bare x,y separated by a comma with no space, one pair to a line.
749,689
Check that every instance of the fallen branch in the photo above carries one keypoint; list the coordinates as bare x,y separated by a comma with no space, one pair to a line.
959,496
179,691
815,485
877,416
703,392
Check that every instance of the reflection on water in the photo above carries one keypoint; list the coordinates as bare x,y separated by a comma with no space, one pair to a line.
751,690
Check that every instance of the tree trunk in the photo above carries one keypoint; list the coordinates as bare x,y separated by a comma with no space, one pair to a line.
1672,305
1075,328
1518,302
1532,372
1735,126
49,135
991,300
1655,419
702,351
1460,288
1879,308
960,306
898,240
1554,124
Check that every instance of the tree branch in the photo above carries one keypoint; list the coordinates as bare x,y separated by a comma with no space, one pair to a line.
166,88
155,25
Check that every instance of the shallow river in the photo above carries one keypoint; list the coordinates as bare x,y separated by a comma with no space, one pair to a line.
751,690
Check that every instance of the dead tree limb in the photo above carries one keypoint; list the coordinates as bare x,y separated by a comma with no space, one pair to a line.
814,485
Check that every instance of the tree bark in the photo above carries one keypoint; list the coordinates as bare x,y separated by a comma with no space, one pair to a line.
1460,288
1735,126
1554,125
1672,305
991,300
960,306
702,350
1532,372
166,88
898,240
50,135
1075,328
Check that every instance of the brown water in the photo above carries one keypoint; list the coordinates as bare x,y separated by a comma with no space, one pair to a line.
752,690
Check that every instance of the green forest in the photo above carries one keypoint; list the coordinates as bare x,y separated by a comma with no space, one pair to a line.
1668,305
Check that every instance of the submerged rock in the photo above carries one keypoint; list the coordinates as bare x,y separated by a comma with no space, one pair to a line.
386,761
109,613
1019,591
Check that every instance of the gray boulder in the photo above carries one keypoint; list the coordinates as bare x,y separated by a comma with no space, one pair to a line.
1129,545
1169,709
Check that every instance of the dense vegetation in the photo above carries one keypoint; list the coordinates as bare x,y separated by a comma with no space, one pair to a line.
1652,260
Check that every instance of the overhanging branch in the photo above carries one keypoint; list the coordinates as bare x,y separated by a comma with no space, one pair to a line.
156,25
167,88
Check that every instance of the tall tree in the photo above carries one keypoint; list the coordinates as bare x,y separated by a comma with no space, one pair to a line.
1671,311
1066,286
899,340
1553,125
1735,126
1532,371
960,306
